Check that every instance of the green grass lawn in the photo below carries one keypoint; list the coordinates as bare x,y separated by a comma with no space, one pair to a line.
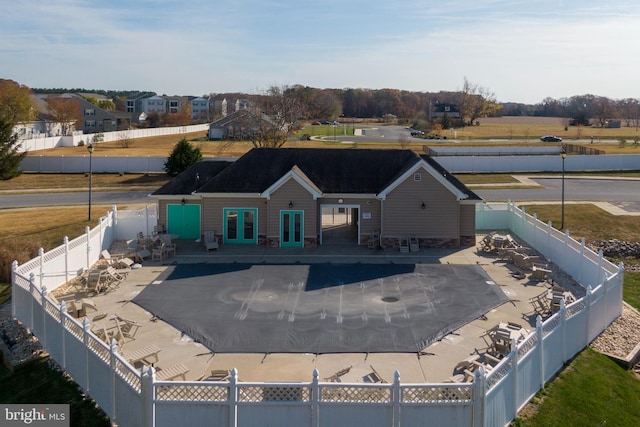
592,391
38,383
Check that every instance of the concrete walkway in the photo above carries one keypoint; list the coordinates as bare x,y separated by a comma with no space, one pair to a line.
434,364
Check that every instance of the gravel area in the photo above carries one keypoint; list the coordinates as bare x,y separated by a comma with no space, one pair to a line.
21,343
622,336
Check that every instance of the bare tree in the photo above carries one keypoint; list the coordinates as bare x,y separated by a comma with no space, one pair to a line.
603,110
475,101
271,120
65,110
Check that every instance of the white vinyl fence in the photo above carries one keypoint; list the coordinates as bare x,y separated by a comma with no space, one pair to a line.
136,398
44,143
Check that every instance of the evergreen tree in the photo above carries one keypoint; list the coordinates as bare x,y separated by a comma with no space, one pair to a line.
182,156
10,158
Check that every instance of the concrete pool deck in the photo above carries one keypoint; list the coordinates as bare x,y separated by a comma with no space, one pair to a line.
434,363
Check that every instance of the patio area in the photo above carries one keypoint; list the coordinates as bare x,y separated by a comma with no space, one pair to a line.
180,351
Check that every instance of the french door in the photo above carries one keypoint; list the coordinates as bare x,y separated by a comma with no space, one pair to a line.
240,225
292,228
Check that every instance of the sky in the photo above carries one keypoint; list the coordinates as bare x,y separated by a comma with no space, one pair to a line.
521,51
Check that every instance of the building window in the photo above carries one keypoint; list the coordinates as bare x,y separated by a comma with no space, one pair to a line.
90,123
89,112
417,177
447,108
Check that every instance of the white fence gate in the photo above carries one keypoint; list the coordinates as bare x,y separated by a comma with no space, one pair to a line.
136,398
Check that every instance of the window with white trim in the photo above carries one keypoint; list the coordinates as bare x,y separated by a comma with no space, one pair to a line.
417,177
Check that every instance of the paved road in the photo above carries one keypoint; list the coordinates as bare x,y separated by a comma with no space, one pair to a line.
75,198
623,193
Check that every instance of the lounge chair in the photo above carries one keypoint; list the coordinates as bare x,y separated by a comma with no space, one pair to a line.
122,264
219,375
374,377
172,373
414,246
210,241
335,378
404,245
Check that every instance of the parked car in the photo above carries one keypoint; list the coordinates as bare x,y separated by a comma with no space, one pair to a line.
417,133
315,123
550,138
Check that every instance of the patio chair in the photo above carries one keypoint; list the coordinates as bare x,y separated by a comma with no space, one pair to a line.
126,328
112,279
96,280
539,274
121,263
157,253
404,245
210,241
169,249
143,242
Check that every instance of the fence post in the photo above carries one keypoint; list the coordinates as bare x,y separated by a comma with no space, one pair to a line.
582,245
600,257
147,378
563,324
514,372
396,399
62,310
479,397
32,279
233,398
540,336
86,327
41,256
113,351
564,264
43,302
86,232
587,298
534,229
549,234
315,399
65,242
14,273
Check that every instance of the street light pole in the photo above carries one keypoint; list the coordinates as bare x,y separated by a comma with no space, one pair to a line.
90,149
563,154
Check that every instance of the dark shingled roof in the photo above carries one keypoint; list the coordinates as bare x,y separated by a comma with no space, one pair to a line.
192,178
332,170
452,179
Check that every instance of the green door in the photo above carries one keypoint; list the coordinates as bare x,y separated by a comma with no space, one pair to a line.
184,220
240,225
292,228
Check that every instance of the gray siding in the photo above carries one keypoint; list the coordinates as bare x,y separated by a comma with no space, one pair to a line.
302,200
404,216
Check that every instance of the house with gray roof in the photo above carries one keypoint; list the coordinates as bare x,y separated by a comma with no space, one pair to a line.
290,197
